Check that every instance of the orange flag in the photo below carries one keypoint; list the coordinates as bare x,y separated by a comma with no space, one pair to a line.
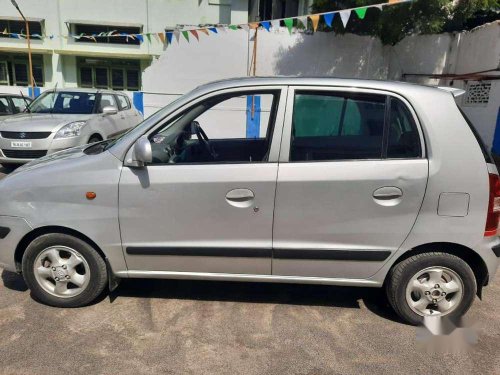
204,31
253,25
394,1
315,21
195,33
162,37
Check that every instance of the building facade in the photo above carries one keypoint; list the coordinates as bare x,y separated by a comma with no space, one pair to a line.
105,62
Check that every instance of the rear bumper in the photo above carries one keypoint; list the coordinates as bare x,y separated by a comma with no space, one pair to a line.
489,250
13,230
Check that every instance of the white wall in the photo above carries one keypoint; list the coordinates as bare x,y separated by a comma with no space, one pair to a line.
185,66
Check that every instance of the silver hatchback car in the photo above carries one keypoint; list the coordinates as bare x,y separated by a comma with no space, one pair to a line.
60,119
289,180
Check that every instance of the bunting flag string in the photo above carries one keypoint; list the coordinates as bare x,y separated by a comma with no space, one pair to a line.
167,37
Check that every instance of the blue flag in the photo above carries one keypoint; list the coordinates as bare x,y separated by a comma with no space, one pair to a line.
266,25
140,37
213,29
170,36
328,19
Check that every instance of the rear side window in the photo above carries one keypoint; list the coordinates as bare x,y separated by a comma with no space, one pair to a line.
123,102
404,140
337,126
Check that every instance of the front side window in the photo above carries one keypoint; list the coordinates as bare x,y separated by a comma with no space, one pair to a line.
337,126
64,102
4,106
233,128
107,100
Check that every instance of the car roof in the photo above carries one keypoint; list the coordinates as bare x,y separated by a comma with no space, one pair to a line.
393,86
87,90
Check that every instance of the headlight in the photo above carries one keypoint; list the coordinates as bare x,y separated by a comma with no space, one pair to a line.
73,129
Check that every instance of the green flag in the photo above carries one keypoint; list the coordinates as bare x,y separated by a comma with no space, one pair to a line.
148,35
233,27
361,12
186,35
289,24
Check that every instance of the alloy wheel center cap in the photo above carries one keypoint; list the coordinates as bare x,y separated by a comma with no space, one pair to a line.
60,273
435,294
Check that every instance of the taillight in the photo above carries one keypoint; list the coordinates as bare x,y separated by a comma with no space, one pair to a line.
493,206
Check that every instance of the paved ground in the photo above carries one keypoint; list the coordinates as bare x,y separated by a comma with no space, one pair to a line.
177,327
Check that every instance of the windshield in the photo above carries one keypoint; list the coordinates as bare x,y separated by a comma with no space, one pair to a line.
64,102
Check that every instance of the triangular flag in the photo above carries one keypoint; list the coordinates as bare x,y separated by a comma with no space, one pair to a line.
162,37
139,37
185,34
361,12
289,24
266,25
233,27
213,29
303,21
148,35
170,36
315,21
177,35
344,16
328,19
276,24
221,29
157,38
195,34
394,1
379,6
5,31
245,27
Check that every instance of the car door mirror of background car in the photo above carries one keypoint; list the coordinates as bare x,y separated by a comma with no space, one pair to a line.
109,110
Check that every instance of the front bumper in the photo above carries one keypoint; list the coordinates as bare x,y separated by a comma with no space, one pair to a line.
39,148
16,228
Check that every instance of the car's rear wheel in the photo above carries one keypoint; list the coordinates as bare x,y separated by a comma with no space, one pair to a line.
64,271
431,284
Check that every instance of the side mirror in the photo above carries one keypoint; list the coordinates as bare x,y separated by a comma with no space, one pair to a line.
109,110
143,152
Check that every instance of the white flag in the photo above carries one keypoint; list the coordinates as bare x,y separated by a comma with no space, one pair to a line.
344,16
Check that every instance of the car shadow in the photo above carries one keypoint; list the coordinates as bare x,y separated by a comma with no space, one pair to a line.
247,292
13,281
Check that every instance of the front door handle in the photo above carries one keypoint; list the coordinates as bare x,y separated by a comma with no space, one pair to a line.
240,197
388,195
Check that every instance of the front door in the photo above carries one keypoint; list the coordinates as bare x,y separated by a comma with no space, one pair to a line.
351,181
206,202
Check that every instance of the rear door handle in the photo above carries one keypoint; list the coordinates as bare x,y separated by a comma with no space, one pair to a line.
388,195
240,197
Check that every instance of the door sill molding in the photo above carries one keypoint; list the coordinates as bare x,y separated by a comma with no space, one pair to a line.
247,277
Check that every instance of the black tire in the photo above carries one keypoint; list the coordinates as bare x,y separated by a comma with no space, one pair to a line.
97,266
95,138
402,272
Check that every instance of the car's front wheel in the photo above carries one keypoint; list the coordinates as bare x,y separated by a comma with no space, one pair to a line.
431,284
63,271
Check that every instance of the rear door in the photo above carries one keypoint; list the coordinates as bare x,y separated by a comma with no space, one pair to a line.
128,116
351,180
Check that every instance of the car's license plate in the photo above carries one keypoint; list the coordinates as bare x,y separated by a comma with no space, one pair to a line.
18,144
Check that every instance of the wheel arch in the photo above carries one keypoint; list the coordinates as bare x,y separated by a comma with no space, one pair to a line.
37,232
96,134
471,257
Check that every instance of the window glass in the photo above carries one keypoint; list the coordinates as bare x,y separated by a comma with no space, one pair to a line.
133,79
404,140
101,77
20,104
86,77
227,129
123,102
337,126
4,106
21,73
117,79
106,101
64,102
100,34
